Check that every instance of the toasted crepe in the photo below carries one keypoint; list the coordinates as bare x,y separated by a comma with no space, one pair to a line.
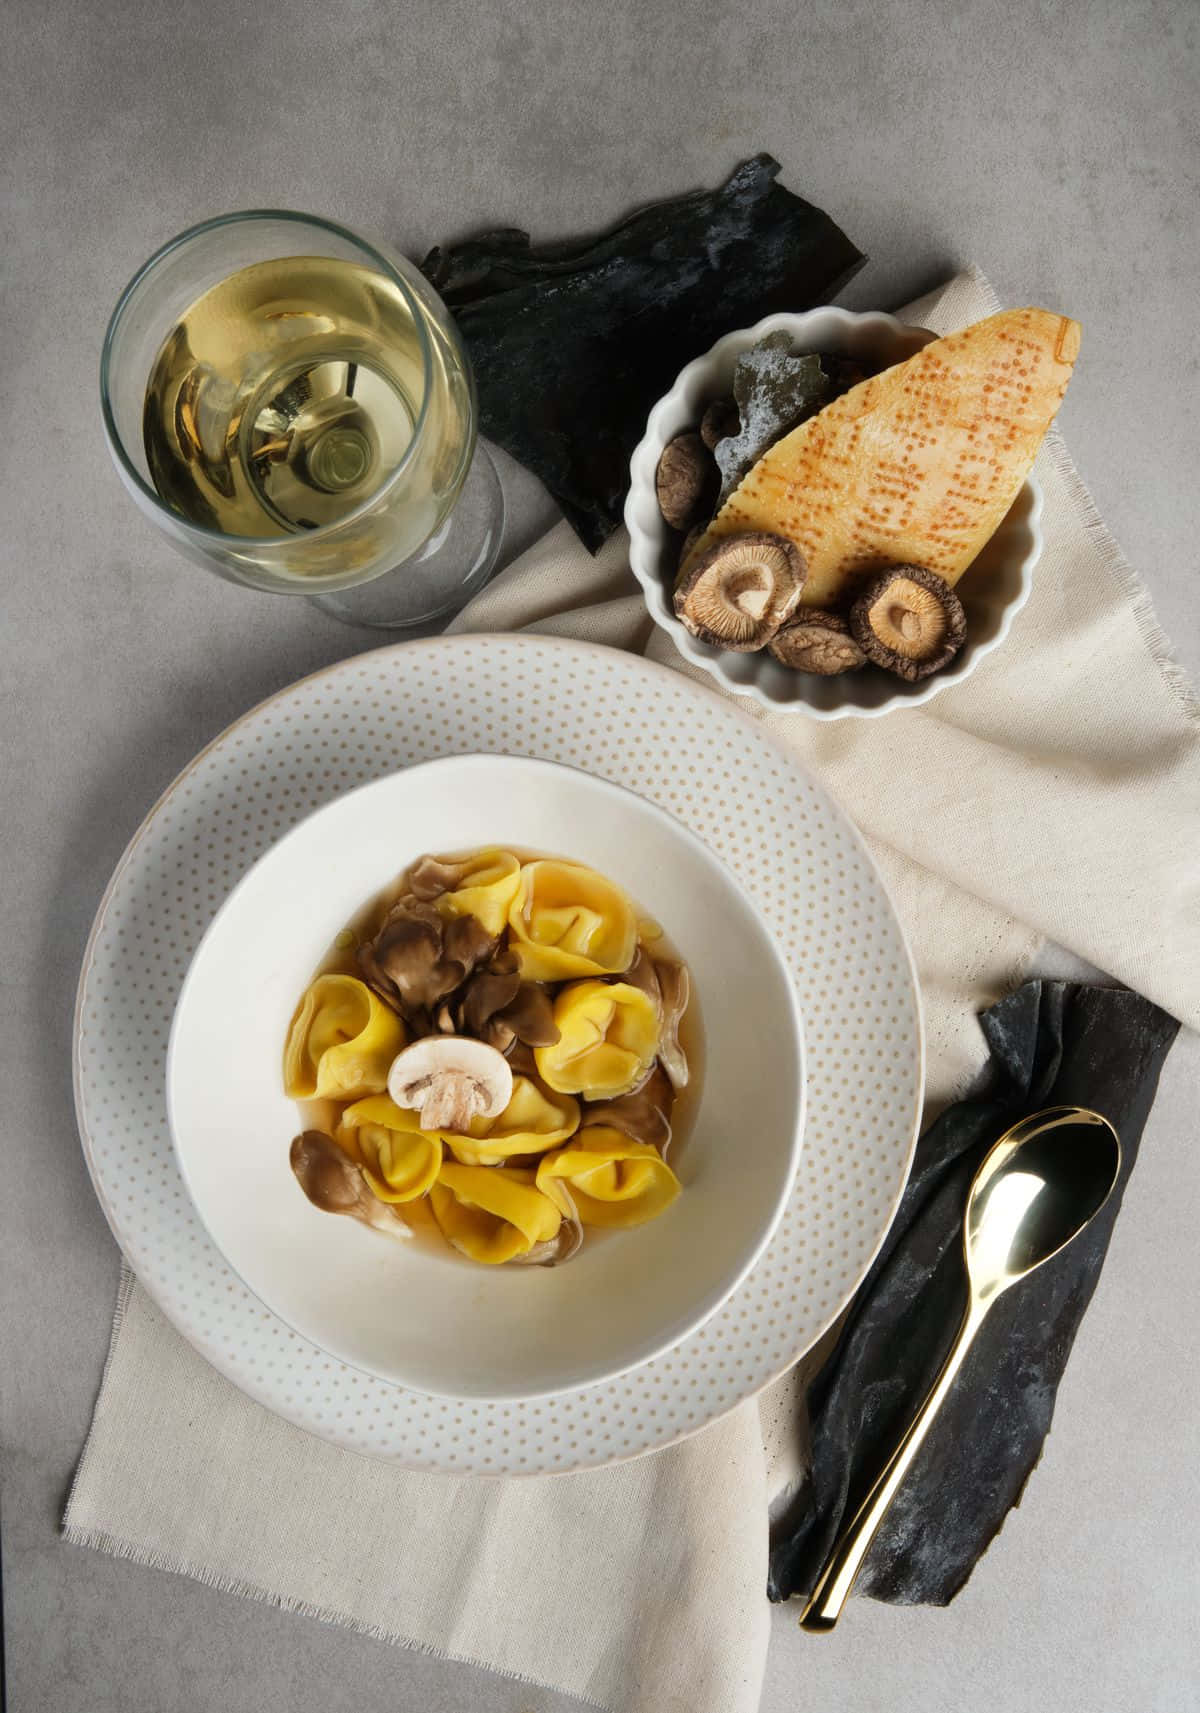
917,465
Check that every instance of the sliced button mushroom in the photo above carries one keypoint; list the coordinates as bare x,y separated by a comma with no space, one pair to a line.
817,642
685,481
738,593
909,621
333,1183
448,1080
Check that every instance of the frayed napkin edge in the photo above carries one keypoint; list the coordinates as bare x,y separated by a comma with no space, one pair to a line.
1112,556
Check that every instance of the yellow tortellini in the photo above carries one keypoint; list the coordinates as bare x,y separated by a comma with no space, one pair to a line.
400,1161
341,1043
534,1120
608,1036
493,1213
485,888
568,921
611,1179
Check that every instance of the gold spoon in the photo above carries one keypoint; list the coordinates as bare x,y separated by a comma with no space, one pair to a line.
1036,1189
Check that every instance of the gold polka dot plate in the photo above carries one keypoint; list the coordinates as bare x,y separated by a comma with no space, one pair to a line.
635,724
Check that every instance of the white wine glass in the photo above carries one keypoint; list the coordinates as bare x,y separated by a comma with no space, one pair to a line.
291,405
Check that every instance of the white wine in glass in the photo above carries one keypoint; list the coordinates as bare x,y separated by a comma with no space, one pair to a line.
307,419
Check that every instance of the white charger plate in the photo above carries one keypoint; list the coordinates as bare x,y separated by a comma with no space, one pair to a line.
624,719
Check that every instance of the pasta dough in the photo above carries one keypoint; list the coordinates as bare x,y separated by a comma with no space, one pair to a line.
534,1119
608,1036
400,1161
493,1214
568,921
612,1180
341,1043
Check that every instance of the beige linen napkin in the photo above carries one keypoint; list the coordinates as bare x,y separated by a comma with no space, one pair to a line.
1055,793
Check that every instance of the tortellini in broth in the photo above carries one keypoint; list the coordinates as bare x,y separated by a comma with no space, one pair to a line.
612,1180
400,1161
534,1119
554,939
341,1043
569,921
493,1214
608,1038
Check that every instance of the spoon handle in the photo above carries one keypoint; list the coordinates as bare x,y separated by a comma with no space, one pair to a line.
845,1561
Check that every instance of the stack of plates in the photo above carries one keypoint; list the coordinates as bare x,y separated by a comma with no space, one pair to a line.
620,718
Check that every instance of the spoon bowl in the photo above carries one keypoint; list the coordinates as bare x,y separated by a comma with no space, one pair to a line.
1036,1189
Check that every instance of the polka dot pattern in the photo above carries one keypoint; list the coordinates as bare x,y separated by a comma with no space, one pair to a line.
643,727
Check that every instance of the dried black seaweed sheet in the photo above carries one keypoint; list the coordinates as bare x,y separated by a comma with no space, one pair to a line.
1051,1043
573,343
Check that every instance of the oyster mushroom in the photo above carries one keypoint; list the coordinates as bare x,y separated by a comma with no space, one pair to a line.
448,1080
521,1061
642,973
666,984
332,1182
909,621
567,1241
738,593
675,988
418,958
429,877
501,1009
643,1115
815,641
685,481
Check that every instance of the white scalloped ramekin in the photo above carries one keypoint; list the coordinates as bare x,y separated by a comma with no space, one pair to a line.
993,589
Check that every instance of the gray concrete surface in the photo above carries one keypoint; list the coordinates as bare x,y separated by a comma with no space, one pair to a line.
1054,145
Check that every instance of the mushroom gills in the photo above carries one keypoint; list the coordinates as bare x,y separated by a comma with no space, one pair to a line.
333,1183
739,593
909,621
448,1080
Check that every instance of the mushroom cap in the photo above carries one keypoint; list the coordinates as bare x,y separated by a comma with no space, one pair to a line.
720,419
739,593
448,1080
819,642
685,480
909,621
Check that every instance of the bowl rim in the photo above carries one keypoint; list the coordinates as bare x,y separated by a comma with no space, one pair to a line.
642,545
787,1182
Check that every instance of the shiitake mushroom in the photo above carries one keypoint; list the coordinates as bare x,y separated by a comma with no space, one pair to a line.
686,481
738,593
818,642
909,621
